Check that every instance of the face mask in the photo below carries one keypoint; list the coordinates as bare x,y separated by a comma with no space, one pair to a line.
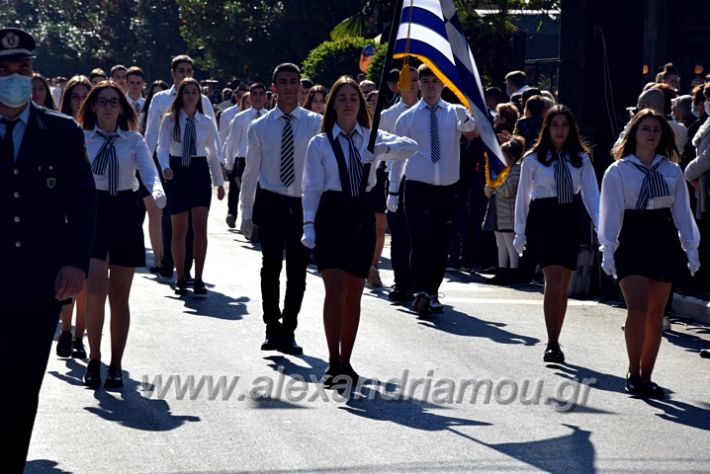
707,107
15,90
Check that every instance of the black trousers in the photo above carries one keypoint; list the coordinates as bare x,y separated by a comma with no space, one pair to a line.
24,362
430,212
399,246
280,221
234,190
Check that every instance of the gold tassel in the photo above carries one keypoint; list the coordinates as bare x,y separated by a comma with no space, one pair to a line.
405,77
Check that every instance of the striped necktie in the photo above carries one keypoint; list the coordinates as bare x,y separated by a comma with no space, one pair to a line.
189,149
563,180
355,165
106,160
434,131
652,186
288,170
136,107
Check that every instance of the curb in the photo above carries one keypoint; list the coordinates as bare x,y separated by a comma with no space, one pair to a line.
692,307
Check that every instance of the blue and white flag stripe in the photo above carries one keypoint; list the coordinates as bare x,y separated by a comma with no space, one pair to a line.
437,39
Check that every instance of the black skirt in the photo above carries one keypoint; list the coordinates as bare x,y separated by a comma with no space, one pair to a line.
649,246
345,233
119,229
553,231
378,194
190,187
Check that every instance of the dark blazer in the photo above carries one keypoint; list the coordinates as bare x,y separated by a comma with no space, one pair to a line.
47,209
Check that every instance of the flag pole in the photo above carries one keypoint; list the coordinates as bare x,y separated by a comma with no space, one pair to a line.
394,28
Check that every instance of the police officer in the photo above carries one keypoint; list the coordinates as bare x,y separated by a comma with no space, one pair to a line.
47,213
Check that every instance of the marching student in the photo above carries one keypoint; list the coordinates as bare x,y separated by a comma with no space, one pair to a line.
115,150
645,224
315,99
75,92
276,149
556,177
135,80
338,219
118,75
235,147
182,66
188,150
432,180
402,291
41,94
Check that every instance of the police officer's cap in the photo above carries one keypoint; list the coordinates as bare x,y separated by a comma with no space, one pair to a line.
16,44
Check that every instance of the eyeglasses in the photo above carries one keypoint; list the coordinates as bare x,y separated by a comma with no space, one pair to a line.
650,131
114,103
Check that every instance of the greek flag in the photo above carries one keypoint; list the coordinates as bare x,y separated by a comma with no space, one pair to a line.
430,31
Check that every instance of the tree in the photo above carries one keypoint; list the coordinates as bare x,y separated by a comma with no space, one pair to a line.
332,59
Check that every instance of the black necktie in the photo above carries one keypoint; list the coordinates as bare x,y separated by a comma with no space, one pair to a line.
8,143
106,160
356,169
189,149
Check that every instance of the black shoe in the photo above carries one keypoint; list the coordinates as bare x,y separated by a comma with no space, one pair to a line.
92,375
652,390
705,353
421,304
155,269
288,344
273,338
399,296
199,290
330,373
180,288
553,354
346,376
231,221
165,273
64,344
434,305
634,385
78,351
114,378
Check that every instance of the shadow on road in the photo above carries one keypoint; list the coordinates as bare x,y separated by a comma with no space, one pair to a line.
43,466
462,324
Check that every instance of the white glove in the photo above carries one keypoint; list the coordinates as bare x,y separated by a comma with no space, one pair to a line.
309,236
246,228
519,243
608,264
392,202
693,261
368,157
159,198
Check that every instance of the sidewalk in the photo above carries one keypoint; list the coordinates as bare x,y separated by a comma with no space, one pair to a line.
691,307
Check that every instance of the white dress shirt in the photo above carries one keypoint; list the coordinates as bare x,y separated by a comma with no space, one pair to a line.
453,120
537,181
159,105
132,154
235,144
140,101
263,158
206,143
225,117
621,186
321,172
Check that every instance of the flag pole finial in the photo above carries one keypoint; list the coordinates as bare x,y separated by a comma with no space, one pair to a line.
405,77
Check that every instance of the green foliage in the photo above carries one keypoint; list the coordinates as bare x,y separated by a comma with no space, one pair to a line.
332,59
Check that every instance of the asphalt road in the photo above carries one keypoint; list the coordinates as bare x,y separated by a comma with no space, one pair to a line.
462,391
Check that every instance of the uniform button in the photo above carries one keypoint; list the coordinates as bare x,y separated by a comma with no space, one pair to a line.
17,218
16,194
15,171
18,244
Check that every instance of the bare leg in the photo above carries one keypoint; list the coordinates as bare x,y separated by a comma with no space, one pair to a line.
658,296
177,244
199,242
555,300
333,307
636,294
96,291
380,223
119,289
154,229
81,313
351,315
